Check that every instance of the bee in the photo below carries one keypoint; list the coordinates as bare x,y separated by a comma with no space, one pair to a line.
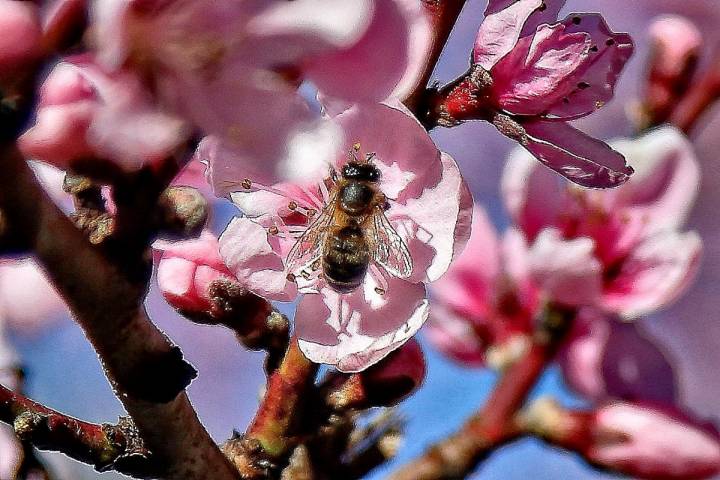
352,231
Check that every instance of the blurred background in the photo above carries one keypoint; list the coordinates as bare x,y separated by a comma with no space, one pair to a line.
64,373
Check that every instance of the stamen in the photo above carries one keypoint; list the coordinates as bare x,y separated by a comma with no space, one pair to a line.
273,230
379,278
315,265
290,277
305,274
293,205
247,184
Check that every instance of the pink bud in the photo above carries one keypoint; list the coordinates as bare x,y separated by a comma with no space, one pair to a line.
676,46
186,270
21,31
632,439
652,444
384,384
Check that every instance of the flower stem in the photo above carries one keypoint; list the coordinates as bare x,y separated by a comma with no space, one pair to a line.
275,430
443,15
493,425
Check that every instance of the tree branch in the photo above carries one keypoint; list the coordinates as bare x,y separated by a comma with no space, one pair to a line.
145,369
459,454
443,14
106,447
275,431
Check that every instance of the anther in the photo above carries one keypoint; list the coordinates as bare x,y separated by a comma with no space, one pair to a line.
292,205
273,230
305,274
246,184
290,277
311,213
315,265
380,291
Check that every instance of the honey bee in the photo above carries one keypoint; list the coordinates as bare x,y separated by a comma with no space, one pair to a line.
352,231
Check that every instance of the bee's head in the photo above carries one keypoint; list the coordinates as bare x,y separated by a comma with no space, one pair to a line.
366,172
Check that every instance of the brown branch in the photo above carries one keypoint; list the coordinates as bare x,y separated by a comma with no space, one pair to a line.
106,447
275,431
443,14
703,94
146,370
460,453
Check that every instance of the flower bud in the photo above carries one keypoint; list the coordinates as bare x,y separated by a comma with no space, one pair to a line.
385,383
186,270
676,44
21,31
634,440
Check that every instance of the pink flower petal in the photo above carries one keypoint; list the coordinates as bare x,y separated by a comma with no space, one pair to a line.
593,83
19,43
655,274
454,336
406,155
653,444
501,30
546,13
566,270
381,54
576,156
605,358
666,180
443,215
534,76
467,285
246,250
29,303
355,331
86,112
419,43
534,196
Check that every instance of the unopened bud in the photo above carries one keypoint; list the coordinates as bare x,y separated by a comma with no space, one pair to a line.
384,384
186,271
676,44
634,440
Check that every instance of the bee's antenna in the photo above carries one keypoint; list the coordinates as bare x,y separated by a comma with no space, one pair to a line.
352,154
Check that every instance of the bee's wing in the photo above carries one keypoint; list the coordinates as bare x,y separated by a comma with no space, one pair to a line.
387,248
309,246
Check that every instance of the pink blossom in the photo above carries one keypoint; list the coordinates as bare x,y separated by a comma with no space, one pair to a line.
544,72
29,303
21,32
605,358
652,444
675,40
87,112
429,208
187,268
633,231
486,300
242,88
